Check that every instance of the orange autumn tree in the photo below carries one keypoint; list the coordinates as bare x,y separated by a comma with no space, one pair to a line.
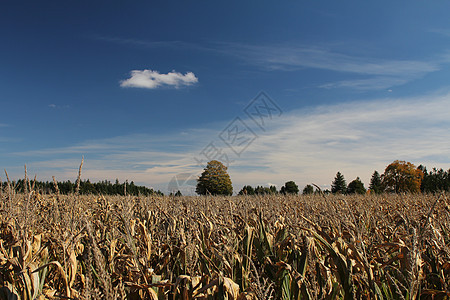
401,177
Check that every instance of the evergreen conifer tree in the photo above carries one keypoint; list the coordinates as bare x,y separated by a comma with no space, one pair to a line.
339,185
376,185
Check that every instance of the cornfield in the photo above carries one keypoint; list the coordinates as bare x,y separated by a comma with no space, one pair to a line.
242,247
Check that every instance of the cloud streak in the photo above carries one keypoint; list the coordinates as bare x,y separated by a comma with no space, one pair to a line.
372,83
378,73
442,31
291,57
366,72
305,146
354,138
150,79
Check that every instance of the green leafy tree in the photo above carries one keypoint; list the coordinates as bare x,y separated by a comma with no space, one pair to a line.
214,180
356,187
308,189
339,185
401,177
376,186
289,187
247,190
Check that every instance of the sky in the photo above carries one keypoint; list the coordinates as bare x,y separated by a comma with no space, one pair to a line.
149,91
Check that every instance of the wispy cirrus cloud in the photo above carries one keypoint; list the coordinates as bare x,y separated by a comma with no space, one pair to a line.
442,31
305,146
354,138
371,83
151,79
294,57
364,72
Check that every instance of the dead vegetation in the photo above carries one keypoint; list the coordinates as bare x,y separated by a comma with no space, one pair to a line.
271,247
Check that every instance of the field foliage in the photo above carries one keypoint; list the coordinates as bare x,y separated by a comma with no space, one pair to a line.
242,247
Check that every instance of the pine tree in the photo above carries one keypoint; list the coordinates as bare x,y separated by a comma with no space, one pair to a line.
273,189
376,185
339,185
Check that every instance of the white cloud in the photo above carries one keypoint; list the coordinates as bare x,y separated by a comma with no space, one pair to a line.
377,73
307,146
150,79
354,138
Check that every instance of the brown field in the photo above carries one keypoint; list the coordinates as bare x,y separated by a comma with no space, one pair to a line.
279,247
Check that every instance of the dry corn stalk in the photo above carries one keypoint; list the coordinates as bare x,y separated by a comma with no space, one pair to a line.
272,247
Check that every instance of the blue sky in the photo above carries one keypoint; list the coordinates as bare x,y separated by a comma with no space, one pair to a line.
144,89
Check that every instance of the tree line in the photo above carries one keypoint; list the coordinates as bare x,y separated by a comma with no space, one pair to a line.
398,177
86,187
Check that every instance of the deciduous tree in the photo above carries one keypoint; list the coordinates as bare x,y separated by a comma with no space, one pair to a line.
289,187
214,180
308,189
402,176
356,187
